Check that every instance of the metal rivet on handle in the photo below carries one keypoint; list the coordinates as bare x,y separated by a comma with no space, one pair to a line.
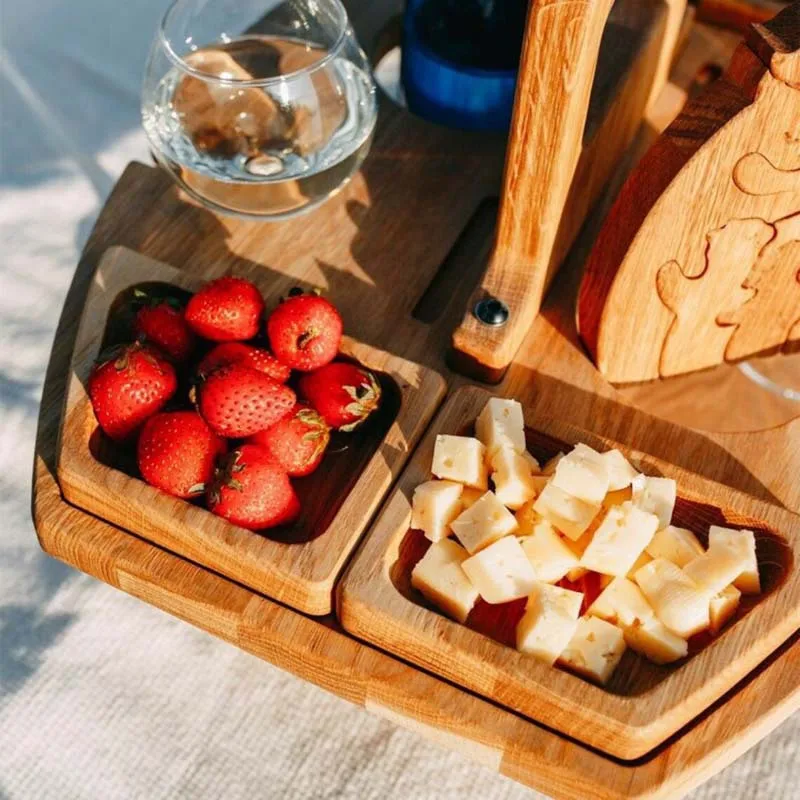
491,311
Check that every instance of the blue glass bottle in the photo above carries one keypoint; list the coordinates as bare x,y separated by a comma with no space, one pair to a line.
460,60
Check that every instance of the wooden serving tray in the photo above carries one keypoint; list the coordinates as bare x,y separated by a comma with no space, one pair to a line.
296,564
645,703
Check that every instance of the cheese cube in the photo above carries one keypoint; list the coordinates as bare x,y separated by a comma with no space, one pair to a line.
717,568
549,468
643,559
548,553
501,572
656,496
549,622
484,522
534,464
622,603
434,506
617,498
512,478
579,545
460,459
595,649
527,519
676,599
582,474
656,642
567,513
440,578
469,496
749,581
622,536
500,424
678,545
722,607
620,471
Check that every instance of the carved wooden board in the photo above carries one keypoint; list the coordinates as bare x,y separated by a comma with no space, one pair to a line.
699,260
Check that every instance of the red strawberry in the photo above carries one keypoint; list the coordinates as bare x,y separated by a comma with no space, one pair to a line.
343,393
226,310
132,385
297,442
251,490
176,452
238,401
161,322
305,332
238,353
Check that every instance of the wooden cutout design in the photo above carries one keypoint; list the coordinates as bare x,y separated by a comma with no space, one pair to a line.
695,220
769,320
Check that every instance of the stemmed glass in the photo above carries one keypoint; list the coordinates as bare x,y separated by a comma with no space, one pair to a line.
259,108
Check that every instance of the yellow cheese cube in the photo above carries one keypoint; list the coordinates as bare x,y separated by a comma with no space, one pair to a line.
567,513
501,572
582,474
722,607
500,424
549,622
548,553
622,536
620,471
656,496
469,496
677,600
717,568
439,577
484,522
549,468
512,477
749,581
527,518
595,649
656,642
617,498
434,506
579,545
622,603
643,559
461,459
678,545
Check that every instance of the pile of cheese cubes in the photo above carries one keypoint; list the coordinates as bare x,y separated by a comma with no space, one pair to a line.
582,512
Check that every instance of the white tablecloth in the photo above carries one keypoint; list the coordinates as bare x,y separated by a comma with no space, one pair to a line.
102,696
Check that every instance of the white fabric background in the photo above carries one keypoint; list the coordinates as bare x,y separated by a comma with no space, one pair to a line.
102,696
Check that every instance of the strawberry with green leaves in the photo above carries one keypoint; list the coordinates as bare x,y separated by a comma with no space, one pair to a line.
305,331
343,393
298,442
177,453
238,401
252,490
226,310
160,321
238,353
129,385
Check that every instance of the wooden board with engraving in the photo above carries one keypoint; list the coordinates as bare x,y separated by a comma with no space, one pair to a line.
400,250
668,293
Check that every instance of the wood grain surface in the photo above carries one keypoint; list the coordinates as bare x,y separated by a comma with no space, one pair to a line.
296,565
420,203
668,293
636,712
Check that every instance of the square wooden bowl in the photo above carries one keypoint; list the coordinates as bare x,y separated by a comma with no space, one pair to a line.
296,565
644,703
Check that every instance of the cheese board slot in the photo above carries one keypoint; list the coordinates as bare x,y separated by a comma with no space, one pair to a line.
643,703
296,564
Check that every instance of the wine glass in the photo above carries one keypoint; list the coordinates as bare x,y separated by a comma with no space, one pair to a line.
258,108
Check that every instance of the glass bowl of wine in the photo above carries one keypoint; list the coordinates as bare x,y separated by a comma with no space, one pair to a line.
258,108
